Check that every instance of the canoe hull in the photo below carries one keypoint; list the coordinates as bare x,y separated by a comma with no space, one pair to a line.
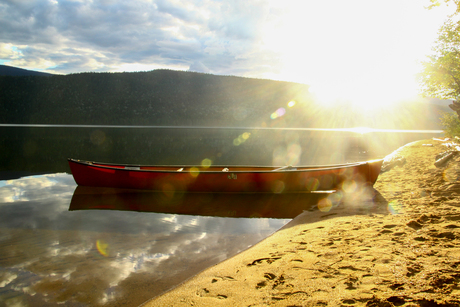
241,180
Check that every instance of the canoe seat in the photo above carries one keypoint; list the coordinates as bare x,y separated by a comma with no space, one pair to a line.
287,167
133,168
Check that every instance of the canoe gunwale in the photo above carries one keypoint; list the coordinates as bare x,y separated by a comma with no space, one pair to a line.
253,169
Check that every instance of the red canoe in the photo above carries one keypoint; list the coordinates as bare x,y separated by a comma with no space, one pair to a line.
239,179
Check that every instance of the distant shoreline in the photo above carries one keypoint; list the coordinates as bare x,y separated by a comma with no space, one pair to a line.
356,130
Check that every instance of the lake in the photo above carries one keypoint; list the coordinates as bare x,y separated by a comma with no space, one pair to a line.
77,246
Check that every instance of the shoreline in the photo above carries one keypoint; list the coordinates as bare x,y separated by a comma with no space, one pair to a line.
396,244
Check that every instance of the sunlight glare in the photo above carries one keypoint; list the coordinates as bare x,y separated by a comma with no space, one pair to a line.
366,61
361,130
366,98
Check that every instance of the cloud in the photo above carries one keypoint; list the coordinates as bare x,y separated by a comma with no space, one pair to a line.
71,36
336,45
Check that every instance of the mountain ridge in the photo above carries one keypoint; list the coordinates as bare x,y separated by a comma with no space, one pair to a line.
179,98
6,70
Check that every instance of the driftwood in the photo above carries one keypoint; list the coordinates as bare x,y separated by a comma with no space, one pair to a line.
391,162
442,158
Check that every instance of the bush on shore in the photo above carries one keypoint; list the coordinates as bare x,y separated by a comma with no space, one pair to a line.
451,124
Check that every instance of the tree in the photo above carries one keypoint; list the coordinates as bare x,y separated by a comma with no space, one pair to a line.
435,3
440,77
451,124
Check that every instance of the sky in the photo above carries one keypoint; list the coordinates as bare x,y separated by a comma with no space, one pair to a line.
343,49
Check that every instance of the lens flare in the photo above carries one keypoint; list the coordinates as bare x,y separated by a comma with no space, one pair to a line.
102,248
278,186
349,186
395,207
168,190
97,137
450,175
291,103
326,181
206,163
278,113
293,154
335,198
241,138
312,184
194,172
325,205
287,155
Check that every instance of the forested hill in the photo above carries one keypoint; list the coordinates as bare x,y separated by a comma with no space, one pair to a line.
173,98
160,97
14,71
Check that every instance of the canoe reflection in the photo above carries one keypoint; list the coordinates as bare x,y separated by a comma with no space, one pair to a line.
257,205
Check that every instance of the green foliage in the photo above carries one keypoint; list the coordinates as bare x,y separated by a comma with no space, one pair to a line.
451,124
436,3
440,77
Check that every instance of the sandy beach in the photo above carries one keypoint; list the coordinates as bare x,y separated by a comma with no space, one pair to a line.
396,244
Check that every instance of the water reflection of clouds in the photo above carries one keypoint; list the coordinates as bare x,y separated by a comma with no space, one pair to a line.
36,187
51,254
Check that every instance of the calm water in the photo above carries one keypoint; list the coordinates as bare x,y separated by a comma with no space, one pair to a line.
46,149
60,244
57,245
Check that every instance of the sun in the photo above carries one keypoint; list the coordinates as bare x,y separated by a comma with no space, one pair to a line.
366,61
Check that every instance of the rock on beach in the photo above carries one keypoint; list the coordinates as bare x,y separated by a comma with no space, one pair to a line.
396,244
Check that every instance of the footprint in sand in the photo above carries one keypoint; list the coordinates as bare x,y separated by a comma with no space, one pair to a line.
413,269
435,234
228,278
204,292
261,284
389,226
414,225
349,302
269,276
272,279
261,260
352,282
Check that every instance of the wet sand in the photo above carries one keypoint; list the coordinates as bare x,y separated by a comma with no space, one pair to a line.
397,244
